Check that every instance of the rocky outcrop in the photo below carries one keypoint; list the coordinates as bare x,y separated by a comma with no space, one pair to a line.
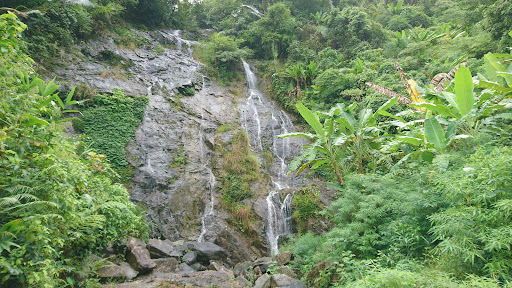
138,256
121,271
189,271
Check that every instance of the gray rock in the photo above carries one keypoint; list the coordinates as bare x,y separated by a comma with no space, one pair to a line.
263,281
242,268
117,271
283,281
284,258
197,266
207,251
183,267
138,256
228,240
286,271
244,282
190,257
263,263
217,267
205,279
166,265
160,248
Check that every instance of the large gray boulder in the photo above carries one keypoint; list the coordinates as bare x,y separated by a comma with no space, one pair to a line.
283,281
160,248
207,251
138,256
263,281
112,270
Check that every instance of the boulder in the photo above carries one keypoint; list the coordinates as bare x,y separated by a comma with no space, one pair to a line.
286,271
207,251
166,265
263,282
284,258
183,267
189,258
117,271
217,267
197,266
242,268
138,256
236,251
263,263
244,282
160,248
283,281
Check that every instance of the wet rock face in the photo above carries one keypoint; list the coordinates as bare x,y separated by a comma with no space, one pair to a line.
172,149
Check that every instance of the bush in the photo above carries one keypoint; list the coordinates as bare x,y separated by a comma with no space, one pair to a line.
110,121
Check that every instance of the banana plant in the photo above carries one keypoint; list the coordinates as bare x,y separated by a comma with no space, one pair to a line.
340,133
296,72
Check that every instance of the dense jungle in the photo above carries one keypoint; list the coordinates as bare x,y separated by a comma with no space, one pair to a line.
255,143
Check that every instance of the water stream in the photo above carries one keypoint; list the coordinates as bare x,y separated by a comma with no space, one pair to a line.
259,114
209,212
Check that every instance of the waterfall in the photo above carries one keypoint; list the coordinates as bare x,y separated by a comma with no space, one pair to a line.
257,113
209,212
254,10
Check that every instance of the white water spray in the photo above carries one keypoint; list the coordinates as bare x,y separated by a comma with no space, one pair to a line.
259,110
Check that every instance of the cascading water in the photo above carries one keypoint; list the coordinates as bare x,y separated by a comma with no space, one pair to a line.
259,111
254,10
208,213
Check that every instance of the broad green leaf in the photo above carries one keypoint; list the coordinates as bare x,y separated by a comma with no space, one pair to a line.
411,140
492,60
450,97
388,104
439,108
312,119
70,96
435,134
32,120
297,134
386,113
464,90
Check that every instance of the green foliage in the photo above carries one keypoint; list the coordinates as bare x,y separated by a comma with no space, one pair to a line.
110,121
56,206
306,207
242,168
222,53
473,232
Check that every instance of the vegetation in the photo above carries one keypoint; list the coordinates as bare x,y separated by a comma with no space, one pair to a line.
58,202
110,122
406,105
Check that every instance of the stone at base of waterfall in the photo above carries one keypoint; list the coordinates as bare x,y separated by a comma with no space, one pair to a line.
283,281
243,281
286,271
160,248
263,263
228,240
284,258
263,281
204,279
190,257
138,256
184,268
207,251
199,267
122,270
166,265
242,269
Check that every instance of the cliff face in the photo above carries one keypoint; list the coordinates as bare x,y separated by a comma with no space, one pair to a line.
175,153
